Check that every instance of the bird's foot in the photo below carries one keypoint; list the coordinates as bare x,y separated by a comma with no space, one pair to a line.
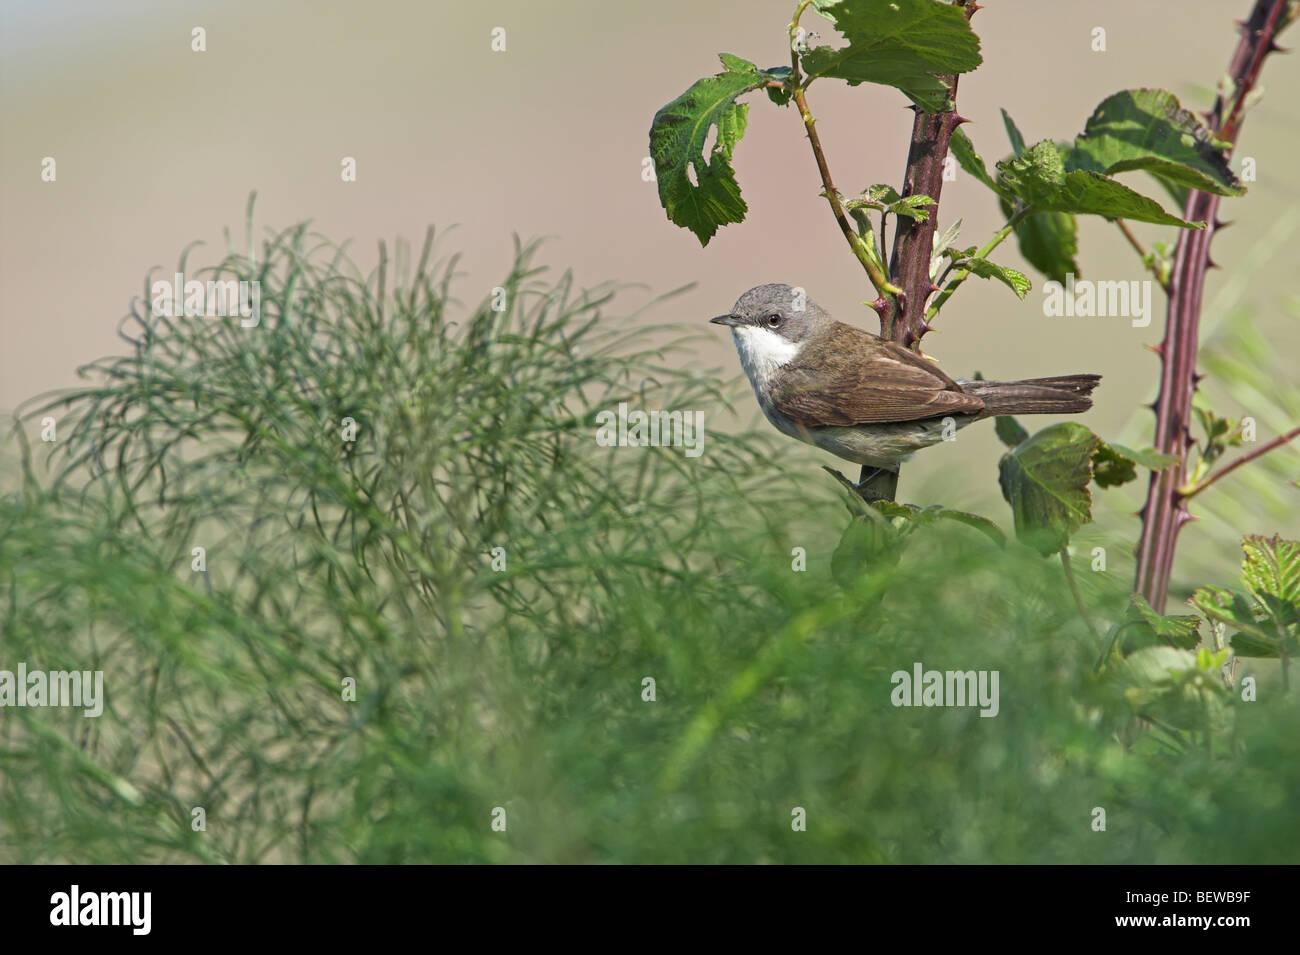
877,484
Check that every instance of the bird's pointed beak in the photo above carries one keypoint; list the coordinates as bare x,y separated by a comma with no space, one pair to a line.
730,320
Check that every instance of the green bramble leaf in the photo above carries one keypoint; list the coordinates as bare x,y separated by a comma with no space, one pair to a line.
1014,135
1271,566
1145,627
1048,240
1045,480
677,138
901,520
1270,570
1149,458
1111,469
899,43
966,259
1259,635
1246,644
885,198
927,516
1114,464
1039,179
1148,129
1220,434
1226,606
961,147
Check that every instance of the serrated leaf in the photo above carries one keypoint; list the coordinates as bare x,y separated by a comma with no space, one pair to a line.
1039,179
1009,430
913,207
1230,607
1271,566
1249,645
677,138
1012,279
925,517
1013,135
1213,425
1220,433
884,194
1149,458
1271,572
1148,129
736,64
1180,630
1110,468
1114,464
1045,480
961,146
885,198
906,44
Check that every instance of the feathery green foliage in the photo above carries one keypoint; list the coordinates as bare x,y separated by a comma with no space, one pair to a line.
522,686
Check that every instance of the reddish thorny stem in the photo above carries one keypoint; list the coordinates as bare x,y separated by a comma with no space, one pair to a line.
1165,511
902,317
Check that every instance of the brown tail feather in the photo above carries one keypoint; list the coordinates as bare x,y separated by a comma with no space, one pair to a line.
1065,394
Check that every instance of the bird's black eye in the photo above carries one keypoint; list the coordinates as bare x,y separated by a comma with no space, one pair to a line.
773,320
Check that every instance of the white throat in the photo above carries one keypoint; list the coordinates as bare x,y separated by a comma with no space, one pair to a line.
762,352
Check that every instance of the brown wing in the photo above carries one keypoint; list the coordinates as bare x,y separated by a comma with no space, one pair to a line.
831,383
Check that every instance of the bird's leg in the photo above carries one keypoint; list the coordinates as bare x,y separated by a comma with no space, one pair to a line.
878,484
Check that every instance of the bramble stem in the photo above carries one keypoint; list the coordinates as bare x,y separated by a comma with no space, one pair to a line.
1165,510
1277,442
903,317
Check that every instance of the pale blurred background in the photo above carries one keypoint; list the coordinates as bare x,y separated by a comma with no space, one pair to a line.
157,146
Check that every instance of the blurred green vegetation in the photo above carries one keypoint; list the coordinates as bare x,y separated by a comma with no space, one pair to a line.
480,687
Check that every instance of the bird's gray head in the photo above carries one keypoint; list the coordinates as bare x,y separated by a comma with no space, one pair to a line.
780,309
